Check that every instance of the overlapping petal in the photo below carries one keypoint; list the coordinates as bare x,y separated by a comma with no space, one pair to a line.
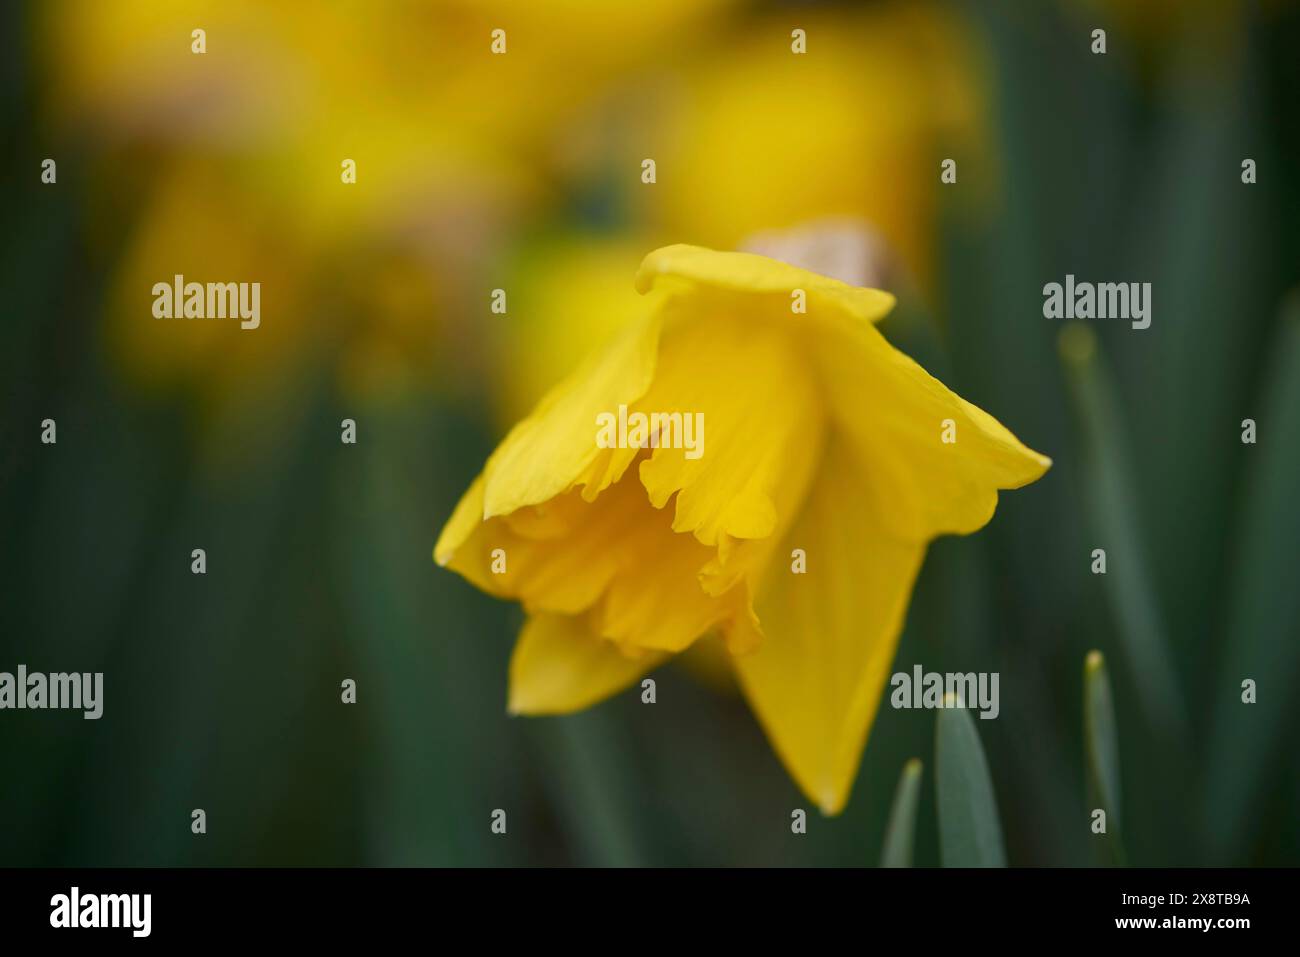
900,418
616,557
762,431
559,665
829,634
696,270
555,448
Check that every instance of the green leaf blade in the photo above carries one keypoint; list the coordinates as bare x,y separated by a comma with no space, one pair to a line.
1114,512
900,833
1101,742
970,834
1262,639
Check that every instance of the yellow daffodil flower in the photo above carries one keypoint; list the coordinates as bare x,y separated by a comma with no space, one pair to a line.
829,461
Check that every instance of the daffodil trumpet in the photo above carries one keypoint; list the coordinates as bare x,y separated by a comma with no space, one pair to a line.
642,430
827,446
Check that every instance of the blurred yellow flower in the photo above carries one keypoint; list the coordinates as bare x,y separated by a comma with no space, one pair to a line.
823,442
235,156
566,292
757,137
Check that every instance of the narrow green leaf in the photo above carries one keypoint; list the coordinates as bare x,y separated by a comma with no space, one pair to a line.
969,832
418,771
1262,640
1102,747
1113,514
900,833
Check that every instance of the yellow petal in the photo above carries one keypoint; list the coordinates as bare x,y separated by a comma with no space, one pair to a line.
655,601
555,448
616,557
682,267
829,634
464,521
559,666
897,416
893,408
743,379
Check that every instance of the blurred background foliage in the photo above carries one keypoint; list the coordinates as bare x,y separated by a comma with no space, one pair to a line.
523,172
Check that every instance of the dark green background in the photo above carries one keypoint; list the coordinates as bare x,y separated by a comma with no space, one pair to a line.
222,692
